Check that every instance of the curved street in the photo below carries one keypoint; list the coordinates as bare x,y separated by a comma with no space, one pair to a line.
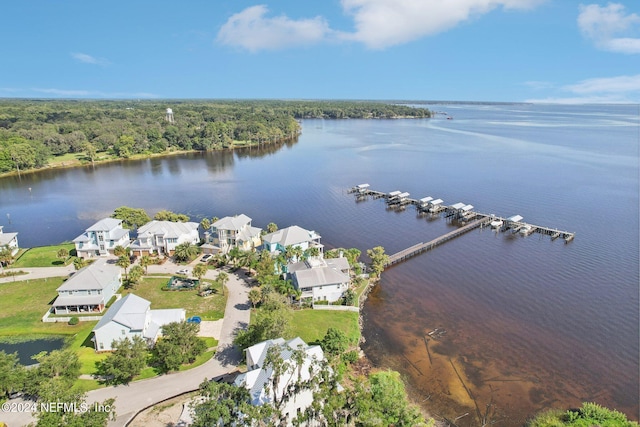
136,396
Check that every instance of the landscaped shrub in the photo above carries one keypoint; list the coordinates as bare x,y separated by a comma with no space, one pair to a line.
74,320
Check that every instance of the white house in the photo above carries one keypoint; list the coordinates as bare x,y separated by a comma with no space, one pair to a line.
291,236
89,289
320,279
162,237
132,316
9,240
258,377
234,231
101,238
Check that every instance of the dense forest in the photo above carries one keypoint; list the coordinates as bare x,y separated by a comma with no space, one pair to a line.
40,133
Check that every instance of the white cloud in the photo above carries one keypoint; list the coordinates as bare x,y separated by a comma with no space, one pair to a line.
608,27
619,89
383,23
88,59
252,30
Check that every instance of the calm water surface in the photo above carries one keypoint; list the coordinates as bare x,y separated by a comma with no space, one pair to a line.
530,323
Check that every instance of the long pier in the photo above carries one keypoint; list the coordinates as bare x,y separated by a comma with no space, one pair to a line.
460,212
423,247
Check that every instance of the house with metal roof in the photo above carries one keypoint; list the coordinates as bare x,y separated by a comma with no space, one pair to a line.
89,289
9,240
162,237
291,236
258,378
234,231
131,316
320,279
101,238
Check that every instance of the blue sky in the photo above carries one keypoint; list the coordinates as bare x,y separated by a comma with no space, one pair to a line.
466,50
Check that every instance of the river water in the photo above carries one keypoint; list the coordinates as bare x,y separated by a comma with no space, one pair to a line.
530,323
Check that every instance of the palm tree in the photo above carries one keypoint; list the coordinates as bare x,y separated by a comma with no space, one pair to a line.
234,254
6,256
186,251
124,262
119,251
222,278
135,275
145,261
255,296
199,271
78,263
272,227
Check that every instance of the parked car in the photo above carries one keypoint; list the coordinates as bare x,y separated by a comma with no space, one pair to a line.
184,272
206,258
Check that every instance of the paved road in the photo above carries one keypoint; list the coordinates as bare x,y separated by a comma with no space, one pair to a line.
132,398
38,273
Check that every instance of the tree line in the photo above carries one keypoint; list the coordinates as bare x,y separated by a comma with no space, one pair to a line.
33,132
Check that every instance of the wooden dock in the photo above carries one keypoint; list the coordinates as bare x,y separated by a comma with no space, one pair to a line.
423,247
459,212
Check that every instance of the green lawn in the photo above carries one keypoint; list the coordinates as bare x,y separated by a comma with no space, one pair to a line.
22,305
210,308
44,256
311,325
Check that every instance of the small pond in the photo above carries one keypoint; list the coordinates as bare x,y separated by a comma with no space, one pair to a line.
27,349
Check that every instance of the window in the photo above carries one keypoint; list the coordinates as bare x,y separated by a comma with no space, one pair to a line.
101,346
123,332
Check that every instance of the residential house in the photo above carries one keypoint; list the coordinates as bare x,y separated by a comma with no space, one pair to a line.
293,236
162,237
131,316
89,289
234,231
9,240
101,238
320,279
258,377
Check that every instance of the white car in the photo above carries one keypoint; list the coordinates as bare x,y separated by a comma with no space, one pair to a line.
183,272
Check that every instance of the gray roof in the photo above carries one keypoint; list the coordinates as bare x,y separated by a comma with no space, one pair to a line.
318,272
232,222
105,224
130,311
6,238
78,300
167,229
96,275
290,236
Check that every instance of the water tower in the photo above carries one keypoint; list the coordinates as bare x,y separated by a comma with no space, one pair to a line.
169,116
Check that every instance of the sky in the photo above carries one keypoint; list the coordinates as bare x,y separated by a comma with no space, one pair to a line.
550,51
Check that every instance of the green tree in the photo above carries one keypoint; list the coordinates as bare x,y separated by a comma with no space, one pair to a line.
205,224
383,401
272,321
165,215
222,278
6,256
199,271
589,414
62,254
272,227
124,262
119,251
186,251
90,150
335,342
145,261
125,362
55,390
225,404
12,374
179,344
255,296
378,259
135,274
78,263
131,217
58,363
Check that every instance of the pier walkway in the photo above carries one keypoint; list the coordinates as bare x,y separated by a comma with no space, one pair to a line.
461,212
423,247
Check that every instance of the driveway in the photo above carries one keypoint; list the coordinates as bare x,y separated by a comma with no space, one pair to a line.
132,398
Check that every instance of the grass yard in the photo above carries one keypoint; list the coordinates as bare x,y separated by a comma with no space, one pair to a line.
22,305
44,256
210,308
311,325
